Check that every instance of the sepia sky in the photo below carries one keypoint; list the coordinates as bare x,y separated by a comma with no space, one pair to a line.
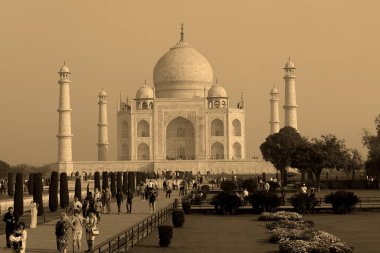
335,46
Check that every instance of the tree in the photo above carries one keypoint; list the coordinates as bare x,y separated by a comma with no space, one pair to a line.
301,158
4,169
18,201
30,183
113,184
78,189
97,180
119,181
37,193
355,162
53,191
372,142
279,148
10,184
125,182
63,190
131,181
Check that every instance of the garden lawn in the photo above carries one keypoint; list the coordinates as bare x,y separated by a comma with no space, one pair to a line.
213,233
361,229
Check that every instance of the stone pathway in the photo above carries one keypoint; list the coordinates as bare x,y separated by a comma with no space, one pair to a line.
42,238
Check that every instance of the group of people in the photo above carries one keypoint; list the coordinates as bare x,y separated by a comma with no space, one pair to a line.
76,223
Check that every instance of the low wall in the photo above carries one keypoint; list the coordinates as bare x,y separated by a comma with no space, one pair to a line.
202,166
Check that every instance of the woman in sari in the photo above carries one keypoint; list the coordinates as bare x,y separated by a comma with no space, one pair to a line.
61,232
33,214
91,230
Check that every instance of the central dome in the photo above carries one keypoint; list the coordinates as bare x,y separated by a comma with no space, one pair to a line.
182,73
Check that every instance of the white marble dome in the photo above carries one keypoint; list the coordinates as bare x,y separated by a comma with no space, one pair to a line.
274,90
217,91
102,93
289,65
144,92
182,73
64,69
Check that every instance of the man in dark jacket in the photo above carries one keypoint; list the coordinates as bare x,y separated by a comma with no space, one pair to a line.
11,219
119,200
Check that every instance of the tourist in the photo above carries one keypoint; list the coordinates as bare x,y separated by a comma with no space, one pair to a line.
10,219
18,238
97,194
98,209
168,191
152,202
129,201
61,233
141,192
103,199
33,214
150,185
75,205
182,188
303,189
119,200
91,230
91,203
266,187
76,224
108,200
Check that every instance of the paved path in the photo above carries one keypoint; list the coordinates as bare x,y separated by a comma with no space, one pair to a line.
42,238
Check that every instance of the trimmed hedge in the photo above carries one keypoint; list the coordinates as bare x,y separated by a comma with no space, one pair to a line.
131,181
105,180
18,201
30,183
165,233
97,181
53,191
63,190
226,203
37,193
228,186
119,181
264,201
303,203
178,218
113,184
125,182
78,189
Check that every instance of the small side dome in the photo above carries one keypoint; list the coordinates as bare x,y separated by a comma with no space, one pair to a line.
289,65
217,91
64,69
102,93
144,92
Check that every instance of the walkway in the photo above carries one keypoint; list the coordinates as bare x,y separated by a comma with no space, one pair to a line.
42,238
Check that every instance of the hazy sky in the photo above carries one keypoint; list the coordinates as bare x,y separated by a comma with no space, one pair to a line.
335,46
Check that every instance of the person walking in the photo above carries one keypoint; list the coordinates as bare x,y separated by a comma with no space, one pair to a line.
119,200
76,224
10,219
91,230
98,209
61,233
129,201
33,214
152,202
75,205
168,190
108,200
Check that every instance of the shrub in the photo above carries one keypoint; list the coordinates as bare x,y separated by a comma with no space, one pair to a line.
226,203
125,182
119,180
97,180
30,183
303,203
273,186
63,190
178,217
342,202
228,186
78,189
113,184
264,201
205,188
53,192
10,184
37,193
290,224
165,233
131,181
18,202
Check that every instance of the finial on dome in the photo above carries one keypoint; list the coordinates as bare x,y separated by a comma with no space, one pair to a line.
182,33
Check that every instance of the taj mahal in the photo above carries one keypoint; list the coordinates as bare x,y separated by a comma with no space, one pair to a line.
185,122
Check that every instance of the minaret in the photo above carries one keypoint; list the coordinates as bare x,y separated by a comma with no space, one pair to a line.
64,126
274,123
290,106
102,127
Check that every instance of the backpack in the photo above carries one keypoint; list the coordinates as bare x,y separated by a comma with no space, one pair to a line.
60,229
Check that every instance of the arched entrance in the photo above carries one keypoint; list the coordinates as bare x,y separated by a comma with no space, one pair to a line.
180,140
217,150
